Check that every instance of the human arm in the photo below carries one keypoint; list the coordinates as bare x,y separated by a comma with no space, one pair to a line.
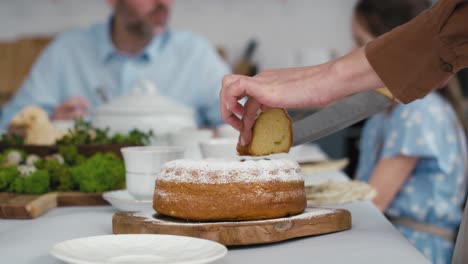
422,55
44,85
388,177
410,60
295,88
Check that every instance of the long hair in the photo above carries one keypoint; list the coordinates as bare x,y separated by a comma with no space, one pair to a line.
380,17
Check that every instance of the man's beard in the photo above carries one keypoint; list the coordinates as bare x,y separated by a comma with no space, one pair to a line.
140,29
145,28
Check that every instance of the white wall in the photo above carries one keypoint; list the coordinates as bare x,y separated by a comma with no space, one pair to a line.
284,28
37,17
290,32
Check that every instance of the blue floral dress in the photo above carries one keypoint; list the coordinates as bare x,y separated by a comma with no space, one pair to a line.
435,191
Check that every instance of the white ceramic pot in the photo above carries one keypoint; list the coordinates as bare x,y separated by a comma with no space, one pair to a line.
145,110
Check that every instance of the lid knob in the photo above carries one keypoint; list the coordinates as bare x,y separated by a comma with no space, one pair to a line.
145,87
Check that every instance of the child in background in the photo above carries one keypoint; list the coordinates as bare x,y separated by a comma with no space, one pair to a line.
414,155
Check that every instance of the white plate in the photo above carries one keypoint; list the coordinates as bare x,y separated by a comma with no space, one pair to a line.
138,249
321,177
302,154
123,201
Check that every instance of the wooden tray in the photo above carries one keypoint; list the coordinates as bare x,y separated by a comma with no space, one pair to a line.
314,221
18,206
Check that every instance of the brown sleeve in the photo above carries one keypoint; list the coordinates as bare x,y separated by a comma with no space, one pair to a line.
421,55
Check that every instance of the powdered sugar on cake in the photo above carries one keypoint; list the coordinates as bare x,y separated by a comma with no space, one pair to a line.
223,171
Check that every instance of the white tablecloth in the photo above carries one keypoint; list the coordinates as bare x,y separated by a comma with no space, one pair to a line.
372,239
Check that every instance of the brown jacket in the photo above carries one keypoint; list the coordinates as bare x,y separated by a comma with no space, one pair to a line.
421,55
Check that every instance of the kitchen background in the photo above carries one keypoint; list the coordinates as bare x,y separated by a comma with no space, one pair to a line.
285,29
287,33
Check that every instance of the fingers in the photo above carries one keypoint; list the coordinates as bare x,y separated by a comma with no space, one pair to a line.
234,88
76,102
237,108
234,121
231,110
61,113
236,91
228,116
265,107
252,111
75,107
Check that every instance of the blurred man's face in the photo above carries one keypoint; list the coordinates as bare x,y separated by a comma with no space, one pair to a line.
143,18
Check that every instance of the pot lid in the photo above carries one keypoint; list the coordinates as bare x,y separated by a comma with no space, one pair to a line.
144,99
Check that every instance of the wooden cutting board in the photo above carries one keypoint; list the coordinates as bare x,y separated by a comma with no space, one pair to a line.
18,206
314,221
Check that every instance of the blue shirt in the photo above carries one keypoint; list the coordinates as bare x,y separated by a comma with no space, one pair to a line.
183,66
435,191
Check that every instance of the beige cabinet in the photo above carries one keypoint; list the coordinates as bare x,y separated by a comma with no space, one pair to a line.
16,59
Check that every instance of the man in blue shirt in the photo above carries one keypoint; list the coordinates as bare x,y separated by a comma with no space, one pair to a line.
134,45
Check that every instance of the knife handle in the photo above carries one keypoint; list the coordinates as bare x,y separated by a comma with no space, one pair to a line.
386,92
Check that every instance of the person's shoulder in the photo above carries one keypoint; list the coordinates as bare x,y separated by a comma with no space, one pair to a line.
419,104
184,36
419,109
77,37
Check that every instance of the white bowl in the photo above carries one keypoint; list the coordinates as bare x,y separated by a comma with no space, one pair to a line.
142,166
221,148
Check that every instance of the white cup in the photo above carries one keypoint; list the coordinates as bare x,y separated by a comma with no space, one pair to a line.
143,165
190,139
221,148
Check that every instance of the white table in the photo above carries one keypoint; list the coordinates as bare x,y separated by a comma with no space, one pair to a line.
372,239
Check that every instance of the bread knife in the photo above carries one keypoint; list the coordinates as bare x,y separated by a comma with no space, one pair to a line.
341,114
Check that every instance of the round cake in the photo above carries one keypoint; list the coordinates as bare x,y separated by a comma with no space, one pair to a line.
213,190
